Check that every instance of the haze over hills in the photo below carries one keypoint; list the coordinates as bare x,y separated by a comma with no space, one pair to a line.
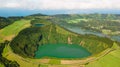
19,12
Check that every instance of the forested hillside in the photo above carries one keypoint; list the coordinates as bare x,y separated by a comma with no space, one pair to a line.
29,39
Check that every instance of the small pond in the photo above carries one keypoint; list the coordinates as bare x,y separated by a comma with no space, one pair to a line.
38,25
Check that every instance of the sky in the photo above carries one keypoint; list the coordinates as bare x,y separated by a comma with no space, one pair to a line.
24,7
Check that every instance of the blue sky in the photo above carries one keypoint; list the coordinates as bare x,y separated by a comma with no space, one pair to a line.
25,7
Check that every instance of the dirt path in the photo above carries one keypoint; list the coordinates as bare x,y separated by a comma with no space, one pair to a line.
69,40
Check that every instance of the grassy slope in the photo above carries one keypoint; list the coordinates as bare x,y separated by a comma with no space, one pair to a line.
110,60
1,65
14,57
61,30
77,20
12,30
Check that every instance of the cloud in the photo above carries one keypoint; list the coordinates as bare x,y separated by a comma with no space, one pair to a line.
60,4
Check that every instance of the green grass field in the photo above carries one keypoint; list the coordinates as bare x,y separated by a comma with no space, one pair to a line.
77,20
15,27
12,30
54,61
110,60
1,65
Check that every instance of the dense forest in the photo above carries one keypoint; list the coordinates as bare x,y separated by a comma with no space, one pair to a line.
28,40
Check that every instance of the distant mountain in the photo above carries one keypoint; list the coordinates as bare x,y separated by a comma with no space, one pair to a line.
38,14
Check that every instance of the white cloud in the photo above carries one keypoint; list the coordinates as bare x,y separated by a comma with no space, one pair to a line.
60,4
12,5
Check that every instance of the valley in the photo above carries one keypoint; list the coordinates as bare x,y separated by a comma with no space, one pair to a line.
27,35
105,25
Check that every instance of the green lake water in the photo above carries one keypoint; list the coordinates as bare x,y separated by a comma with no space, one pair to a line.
61,51
38,25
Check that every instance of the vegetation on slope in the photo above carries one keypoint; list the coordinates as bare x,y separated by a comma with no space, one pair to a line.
12,30
110,60
104,23
29,39
3,61
26,42
7,21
